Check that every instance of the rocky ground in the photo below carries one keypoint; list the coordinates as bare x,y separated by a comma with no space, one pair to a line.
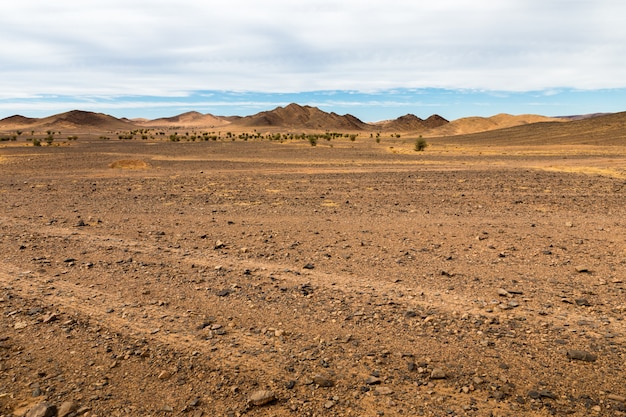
267,279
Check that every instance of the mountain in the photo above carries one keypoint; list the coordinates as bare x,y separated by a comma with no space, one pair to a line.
295,116
411,122
189,119
75,119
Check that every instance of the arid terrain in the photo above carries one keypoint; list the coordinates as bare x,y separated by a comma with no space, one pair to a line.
484,276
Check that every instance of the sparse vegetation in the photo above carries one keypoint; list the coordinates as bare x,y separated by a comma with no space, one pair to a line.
420,144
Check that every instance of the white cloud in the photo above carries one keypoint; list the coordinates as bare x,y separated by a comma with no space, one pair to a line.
169,47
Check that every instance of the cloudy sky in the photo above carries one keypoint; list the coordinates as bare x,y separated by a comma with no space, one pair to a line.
375,59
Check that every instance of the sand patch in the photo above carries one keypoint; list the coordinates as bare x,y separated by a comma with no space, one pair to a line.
129,164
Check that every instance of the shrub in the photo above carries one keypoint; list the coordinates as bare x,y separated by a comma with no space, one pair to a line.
420,144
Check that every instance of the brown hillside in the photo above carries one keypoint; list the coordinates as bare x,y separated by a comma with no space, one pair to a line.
435,121
408,122
295,116
15,122
601,131
468,125
75,119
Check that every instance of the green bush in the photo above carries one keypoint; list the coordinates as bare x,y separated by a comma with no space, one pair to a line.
420,144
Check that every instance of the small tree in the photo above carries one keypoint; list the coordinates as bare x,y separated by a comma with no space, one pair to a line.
420,144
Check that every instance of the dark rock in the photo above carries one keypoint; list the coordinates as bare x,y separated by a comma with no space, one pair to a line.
581,355
322,381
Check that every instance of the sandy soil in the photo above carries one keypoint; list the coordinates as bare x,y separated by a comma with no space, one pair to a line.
148,279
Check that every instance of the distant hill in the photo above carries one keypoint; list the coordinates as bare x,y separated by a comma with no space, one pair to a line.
468,125
189,119
604,130
412,123
295,116
72,120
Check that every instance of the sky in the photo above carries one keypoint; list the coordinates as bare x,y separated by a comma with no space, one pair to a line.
375,59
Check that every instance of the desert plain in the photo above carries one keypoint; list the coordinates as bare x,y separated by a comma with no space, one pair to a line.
482,276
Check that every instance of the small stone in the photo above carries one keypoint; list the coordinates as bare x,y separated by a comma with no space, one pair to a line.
503,293
262,397
438,373
50,317
582,269
219,244
322,381
372,380
20,325
67,408
582,302
164,375
309,266
581,355
223,293
329,404
384,391
618,398
42,410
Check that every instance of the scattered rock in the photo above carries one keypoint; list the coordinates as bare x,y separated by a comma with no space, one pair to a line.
262,397
322,381
438,373
67,408
372,380
581,355
163,375
309,266
42,409
618,398
384,391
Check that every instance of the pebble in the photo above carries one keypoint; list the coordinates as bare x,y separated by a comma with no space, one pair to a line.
438,373
372,380
322,381
67,408
619,398
581,355
262,397
42,410
164,375
384,391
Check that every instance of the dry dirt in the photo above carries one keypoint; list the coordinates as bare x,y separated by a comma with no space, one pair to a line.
156,279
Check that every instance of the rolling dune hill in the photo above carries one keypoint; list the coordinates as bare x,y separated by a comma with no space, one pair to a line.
468,125
607,130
